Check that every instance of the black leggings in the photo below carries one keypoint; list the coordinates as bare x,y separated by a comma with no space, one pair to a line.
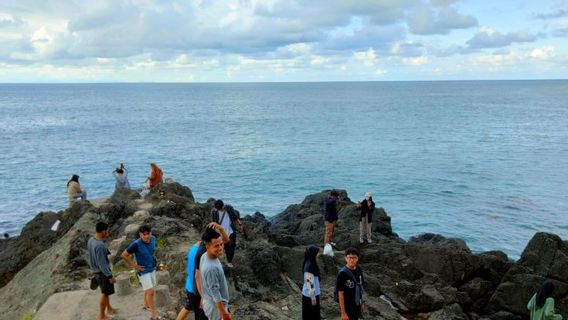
310,312
230,247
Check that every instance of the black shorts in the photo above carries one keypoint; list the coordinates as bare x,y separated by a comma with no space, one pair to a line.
192,304
107,288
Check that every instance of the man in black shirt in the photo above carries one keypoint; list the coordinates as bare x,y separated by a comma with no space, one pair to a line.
349,286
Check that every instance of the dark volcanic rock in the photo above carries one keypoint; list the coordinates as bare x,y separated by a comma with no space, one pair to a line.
71,215
170,191
17,252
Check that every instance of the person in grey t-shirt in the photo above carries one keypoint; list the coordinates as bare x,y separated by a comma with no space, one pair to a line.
100,266
213,282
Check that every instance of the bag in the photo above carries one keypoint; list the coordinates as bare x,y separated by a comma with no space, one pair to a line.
328,250
94,282
358,288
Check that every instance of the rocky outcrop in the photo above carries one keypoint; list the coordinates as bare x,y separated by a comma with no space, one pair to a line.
428,277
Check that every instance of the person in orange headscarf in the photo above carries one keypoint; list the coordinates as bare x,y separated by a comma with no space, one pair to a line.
156,176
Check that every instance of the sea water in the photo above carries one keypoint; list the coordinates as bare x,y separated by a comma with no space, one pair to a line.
486,161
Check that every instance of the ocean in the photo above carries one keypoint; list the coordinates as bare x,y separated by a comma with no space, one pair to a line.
486,161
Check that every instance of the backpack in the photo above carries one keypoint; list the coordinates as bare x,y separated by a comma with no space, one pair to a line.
358,287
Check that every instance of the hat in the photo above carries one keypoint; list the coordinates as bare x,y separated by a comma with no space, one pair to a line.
368,195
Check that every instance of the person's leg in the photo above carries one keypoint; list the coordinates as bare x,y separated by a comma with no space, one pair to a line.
327,235
369,229
183,314
102,306
306,308
317,313
333,224
362,230
149,296
232,246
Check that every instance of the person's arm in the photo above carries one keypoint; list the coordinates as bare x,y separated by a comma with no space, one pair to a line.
198,285
341,299
126,257
217,227
311,286
531,302
213,283
549,310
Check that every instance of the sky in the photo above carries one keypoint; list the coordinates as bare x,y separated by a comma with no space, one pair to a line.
281,40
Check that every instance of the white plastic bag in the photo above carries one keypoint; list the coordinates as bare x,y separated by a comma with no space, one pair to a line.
328,250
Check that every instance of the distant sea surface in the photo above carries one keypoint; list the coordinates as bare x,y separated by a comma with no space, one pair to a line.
486,161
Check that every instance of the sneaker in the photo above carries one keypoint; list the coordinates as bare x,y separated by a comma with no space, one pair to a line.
361,241
370,241
230,265
333,244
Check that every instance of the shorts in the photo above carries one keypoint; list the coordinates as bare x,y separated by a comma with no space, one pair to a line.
148,280
193,301
107,288
211,310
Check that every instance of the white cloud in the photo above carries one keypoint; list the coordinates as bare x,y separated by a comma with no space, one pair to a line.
417,61
542,53
426,20
369,58
381,72
318,60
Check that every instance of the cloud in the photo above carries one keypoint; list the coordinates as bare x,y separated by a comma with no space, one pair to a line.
369,58
8,21
560,13
425,20
417,61
489,38
542,53
407,49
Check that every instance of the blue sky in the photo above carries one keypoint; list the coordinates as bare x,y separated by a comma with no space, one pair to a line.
274,40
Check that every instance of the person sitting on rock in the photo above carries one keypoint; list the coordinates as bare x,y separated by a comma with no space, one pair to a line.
144,249
366,207
541,305
311,289
229,218
213,282
330,216
100,266
74,190
156,176
121,176
349,286
193,287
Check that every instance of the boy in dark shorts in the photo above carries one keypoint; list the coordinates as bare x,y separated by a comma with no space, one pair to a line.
100,266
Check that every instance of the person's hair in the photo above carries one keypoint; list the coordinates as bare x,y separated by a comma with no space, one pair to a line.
145,228
310,263
544,292
6,235
119,171
219,204
334,193
209,235
101,226
73,178
352,251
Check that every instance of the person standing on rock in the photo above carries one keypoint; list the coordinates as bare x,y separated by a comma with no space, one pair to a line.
121,176
213,282
100,266
193,283
330,216
144,248
541,305
349,286
366,207
156,176
311,289
74,190
229,218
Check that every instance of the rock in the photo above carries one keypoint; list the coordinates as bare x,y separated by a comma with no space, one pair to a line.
17,252
70,216
163,277
162,297
131,230
141,214
451,312
439,240
170,191
122,285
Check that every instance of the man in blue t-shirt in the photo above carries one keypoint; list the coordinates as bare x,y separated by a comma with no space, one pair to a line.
193,282
144,249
